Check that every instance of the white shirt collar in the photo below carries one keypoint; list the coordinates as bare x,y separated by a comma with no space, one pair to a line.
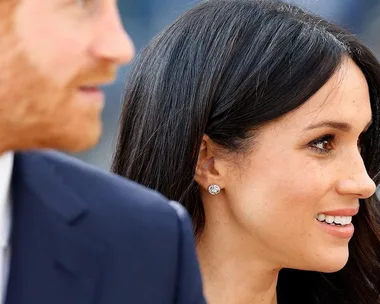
6,166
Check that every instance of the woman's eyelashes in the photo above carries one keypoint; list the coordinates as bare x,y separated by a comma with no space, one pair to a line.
323,145
326,143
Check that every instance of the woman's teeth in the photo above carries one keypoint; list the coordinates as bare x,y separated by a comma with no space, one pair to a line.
334,220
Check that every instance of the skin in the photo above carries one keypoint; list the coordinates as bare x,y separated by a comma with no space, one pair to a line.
263,220
46,60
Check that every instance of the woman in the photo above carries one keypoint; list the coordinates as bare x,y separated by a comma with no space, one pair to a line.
263,121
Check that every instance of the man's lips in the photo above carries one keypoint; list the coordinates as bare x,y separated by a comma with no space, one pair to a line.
89,89
91,94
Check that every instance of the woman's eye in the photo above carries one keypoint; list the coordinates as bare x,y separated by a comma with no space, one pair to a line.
323,145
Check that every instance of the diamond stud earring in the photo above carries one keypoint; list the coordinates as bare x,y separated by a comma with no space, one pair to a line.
214,189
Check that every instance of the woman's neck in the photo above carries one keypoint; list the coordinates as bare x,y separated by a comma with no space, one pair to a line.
231,274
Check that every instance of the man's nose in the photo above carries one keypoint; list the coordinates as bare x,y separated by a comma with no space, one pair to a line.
112,41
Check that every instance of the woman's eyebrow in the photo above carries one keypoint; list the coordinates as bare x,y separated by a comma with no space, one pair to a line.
339,125
342,126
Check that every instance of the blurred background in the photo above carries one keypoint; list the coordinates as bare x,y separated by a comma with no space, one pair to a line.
144,19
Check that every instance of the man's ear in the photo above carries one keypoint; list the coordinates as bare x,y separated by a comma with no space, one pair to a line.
210,169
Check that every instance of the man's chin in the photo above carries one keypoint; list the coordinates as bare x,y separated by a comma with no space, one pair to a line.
81,141
70,141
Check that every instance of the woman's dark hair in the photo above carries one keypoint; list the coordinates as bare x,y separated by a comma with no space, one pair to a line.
224,69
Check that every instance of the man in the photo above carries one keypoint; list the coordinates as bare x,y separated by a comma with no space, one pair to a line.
71,234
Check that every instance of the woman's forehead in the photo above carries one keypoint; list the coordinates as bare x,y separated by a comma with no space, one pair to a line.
344,97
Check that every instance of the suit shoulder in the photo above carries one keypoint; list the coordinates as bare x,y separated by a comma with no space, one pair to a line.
106,192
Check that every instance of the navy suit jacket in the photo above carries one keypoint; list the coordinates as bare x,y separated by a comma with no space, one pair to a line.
82,236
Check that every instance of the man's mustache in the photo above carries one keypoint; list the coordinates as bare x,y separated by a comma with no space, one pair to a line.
100,74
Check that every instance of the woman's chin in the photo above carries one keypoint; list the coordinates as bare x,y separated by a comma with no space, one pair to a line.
332,261
326,261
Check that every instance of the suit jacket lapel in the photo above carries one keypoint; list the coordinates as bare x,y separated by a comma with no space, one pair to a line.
53,260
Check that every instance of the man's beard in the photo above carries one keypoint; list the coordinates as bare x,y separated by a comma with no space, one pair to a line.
36,111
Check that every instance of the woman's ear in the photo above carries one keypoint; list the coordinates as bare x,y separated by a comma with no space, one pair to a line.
211,168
